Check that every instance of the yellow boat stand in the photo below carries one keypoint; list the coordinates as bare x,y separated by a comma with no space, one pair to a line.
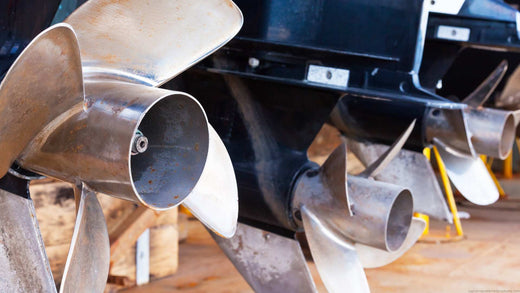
451,203
508,162
488,164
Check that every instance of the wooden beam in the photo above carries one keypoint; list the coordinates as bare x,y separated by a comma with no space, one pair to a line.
124,236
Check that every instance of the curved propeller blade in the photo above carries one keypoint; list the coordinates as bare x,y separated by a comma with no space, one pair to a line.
510,96
45,81
335,257
384,159
214,200
469,175
166,37
88,261
372,257
482,93
450,126
268,262
24,266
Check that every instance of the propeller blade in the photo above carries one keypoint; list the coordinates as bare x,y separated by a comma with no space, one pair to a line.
334,175
24,266
384,159
372,257
88,261
510,96
449,126
45,81
166,36
335,257
411,170
482,93
267,261
469,175
214,200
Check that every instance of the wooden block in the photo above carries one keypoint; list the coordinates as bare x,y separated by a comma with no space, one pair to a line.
169,217
124,236
55,211
164,251
182,226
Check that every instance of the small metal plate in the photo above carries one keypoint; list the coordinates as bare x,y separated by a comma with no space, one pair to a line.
142,259
331,76
453,33
445,6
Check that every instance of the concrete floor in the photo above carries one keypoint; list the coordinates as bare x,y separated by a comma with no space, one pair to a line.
487,260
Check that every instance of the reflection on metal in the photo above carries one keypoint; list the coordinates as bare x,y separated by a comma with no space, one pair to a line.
449,126
411,170
510,96
101,135
469,175
24,266
482,93
151,42
97,121
44,82
492,131
372,257
214,200
267,261
380,216
461,134
385,158
335,256
88,261
380,221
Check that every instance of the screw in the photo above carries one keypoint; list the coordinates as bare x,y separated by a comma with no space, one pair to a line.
253,62
329,74
140,144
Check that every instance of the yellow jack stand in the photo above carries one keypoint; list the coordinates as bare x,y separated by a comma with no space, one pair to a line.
508,162
488,164
508,166
451,203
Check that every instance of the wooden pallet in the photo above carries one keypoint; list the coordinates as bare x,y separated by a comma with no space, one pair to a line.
55,211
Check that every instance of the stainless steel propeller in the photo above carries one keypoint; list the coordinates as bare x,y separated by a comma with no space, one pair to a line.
462,133
97,120
338,214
